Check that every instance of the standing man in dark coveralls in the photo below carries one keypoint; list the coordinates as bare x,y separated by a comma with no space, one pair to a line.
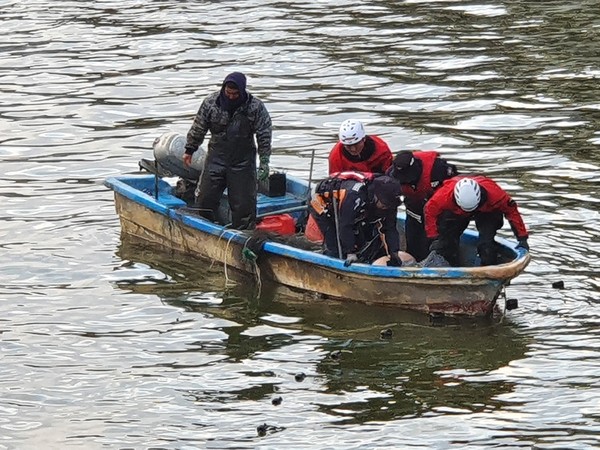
449,211
419,174
233,116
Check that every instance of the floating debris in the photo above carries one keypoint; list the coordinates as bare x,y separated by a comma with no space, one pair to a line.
386,334
558,284
262,429
512,303
437,319
299,377
336,354
277,401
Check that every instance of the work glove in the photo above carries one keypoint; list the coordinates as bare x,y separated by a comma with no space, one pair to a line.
351,258
436,246
523,244
395,260
263,168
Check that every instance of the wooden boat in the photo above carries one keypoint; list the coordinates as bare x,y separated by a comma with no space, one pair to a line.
149,210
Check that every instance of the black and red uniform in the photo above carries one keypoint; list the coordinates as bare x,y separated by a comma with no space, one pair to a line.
375,157
364,229
420,173
445,221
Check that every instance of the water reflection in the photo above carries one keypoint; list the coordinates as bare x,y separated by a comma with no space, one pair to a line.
364,362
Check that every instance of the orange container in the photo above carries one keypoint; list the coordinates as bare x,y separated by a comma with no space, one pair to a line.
283,224
313,232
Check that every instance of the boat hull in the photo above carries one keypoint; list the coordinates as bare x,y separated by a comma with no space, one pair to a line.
457,291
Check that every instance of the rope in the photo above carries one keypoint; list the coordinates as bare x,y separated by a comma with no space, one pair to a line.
225,255
258,281
249,256
503,294
225,261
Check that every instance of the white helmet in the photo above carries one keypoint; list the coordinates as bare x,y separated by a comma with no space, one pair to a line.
351,132
467,194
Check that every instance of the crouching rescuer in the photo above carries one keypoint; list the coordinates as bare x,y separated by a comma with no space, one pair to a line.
478,198
356,213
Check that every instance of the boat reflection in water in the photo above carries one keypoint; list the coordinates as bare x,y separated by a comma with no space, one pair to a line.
371,363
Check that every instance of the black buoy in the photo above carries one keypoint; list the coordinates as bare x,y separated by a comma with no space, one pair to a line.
299,377
558,284
386,334
277,401
262,429
336,354
436,319
512,303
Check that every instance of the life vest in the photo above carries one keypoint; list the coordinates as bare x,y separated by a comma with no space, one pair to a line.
362,177
331,188
424,188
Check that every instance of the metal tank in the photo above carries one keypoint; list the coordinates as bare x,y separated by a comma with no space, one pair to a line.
168,152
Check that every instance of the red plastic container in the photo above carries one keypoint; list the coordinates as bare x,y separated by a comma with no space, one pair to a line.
283,224
313,232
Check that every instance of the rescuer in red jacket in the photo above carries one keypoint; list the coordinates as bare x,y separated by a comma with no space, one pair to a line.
460,199
419,174
358,151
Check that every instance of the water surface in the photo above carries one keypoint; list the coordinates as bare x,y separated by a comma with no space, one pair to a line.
106,344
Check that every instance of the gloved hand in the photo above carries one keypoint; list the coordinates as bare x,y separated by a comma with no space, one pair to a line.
350,258
263,168
395,260
523,244
436,246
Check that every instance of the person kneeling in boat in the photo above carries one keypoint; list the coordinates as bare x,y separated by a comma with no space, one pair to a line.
358,151
420,174
356,213
460,199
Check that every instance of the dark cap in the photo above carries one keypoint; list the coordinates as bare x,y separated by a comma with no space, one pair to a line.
404,167
387,190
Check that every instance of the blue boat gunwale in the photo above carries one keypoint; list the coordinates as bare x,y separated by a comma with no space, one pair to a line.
168,205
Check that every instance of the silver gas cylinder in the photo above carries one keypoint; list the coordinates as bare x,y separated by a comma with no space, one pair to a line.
168,152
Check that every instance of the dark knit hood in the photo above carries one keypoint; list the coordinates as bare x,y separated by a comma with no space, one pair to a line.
239,79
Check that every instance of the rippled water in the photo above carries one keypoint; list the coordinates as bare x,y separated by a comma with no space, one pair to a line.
105,344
